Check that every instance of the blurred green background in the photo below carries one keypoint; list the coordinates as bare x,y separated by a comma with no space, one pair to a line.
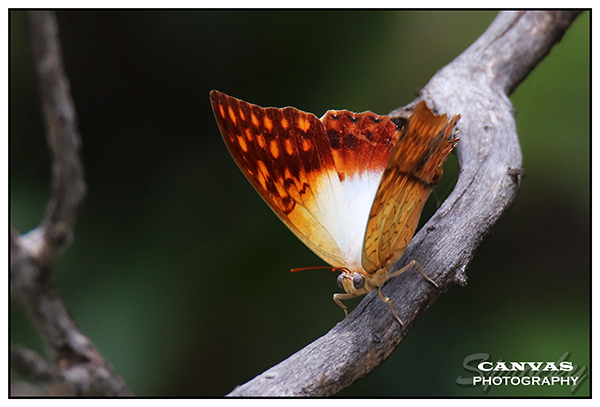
179,272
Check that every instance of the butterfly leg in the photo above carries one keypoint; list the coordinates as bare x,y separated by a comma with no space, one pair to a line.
409,265
342,296
390,304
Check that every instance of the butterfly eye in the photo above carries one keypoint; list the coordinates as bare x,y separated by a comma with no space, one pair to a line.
340,278
358,281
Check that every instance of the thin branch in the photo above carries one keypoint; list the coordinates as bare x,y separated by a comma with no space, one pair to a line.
476,85
78,363
25,360
68,184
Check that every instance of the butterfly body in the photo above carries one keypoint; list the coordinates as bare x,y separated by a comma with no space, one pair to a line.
351,186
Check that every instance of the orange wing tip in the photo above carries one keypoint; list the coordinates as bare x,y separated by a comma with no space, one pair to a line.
215,96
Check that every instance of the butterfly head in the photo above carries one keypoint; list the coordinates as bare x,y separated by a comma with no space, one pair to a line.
360,282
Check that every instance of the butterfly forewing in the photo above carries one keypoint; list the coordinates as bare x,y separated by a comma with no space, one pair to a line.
280,152
413,170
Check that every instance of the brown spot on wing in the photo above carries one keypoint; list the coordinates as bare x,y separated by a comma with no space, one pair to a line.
268,123
303,124
306,146
242,143
232,116
289,148
261,141
274,149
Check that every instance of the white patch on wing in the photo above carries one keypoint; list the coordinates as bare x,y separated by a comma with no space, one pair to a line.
344,209
359,194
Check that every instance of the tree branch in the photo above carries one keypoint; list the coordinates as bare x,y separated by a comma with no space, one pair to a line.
476,85
68,184
78,362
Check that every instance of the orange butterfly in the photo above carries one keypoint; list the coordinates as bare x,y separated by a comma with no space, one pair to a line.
351,186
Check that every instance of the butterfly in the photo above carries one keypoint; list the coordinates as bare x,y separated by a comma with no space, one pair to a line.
351,186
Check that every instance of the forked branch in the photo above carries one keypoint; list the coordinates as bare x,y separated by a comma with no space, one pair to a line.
78,368
475,85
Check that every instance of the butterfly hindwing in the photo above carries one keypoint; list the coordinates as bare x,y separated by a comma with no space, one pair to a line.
413,170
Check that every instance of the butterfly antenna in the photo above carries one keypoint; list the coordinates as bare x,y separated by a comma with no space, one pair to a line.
334,269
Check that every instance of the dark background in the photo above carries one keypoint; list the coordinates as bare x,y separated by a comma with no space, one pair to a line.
180,273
